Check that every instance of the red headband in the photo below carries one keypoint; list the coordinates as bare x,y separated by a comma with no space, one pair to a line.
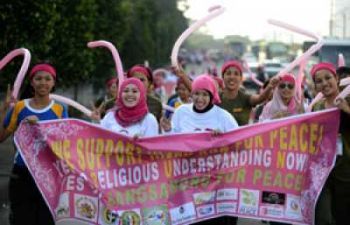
288,78
323,66
140,69
43,67
232,63
111,81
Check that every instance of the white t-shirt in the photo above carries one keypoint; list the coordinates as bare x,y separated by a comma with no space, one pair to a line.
186,120
147,127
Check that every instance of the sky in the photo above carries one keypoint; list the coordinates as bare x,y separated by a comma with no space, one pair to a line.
249,17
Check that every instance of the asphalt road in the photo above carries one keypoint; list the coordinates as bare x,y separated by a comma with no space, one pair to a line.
6,160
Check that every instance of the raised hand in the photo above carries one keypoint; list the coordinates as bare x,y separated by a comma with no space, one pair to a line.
9,99
96,112
343,105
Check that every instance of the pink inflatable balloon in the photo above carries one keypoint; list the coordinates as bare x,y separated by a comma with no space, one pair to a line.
341,60
303,58
299,80
314,48
252,75
24,68
346,90
344,93
115,54
293,28
345,81
317,98
72,103
213,12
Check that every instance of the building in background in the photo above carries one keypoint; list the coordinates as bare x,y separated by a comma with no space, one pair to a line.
339,25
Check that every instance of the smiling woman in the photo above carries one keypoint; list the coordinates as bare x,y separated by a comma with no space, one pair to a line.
26,203
131,116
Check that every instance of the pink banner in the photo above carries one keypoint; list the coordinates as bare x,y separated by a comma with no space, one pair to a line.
272,171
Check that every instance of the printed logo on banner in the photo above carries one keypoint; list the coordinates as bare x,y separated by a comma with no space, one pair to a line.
183,213
85,207
227,194
276,211
205,210
273,198
293,210
157,215
108,217
248,201
203,197
130,217
62,210
226,207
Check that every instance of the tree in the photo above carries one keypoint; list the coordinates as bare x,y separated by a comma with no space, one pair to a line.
58,31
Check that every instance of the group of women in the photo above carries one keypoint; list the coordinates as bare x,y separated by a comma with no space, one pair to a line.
200,107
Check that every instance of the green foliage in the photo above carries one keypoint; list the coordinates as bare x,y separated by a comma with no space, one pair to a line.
58,31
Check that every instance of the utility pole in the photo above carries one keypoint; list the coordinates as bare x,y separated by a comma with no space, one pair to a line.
331,20
344,25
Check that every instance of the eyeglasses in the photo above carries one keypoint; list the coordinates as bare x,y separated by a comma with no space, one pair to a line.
286,85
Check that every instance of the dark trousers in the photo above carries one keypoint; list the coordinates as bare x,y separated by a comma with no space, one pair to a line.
333,205
341,202
27,206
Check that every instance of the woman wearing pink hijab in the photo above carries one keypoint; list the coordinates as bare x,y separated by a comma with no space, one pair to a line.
131,116
284,102
202,114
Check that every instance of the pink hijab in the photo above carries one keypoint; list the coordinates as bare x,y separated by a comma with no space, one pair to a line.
127,116
276,104
205,82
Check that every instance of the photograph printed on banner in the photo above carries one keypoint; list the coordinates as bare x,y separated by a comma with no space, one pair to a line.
157,215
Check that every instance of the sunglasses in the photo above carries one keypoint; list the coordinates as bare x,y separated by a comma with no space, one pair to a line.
284,85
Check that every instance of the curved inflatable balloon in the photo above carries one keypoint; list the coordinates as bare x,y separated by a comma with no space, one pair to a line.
341,60
115,54
252,75
346,91
299,80
214,11
72,103
294,28
345,81
314,48
317,98
24,68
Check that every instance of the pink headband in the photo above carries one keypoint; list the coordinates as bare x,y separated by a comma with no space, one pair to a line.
140,69
323,66
111,81
232,63
205,82
288,78
43,67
